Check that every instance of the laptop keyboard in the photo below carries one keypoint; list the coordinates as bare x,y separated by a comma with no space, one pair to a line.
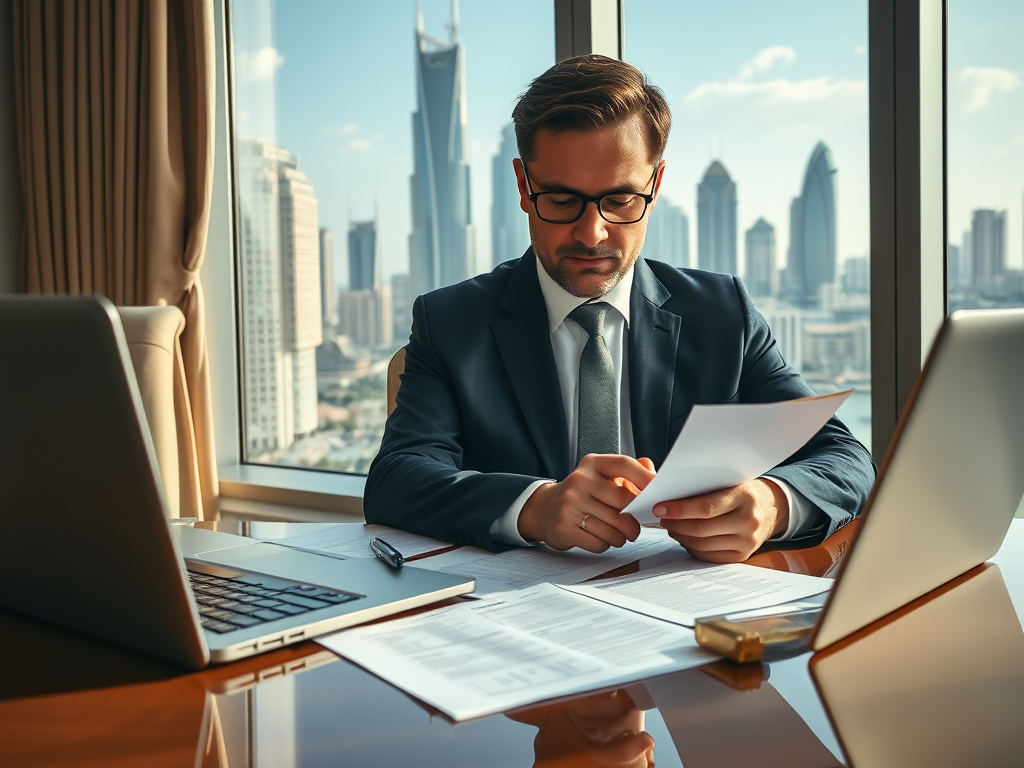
228,604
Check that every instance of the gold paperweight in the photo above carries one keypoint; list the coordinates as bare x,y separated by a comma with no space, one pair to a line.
759,633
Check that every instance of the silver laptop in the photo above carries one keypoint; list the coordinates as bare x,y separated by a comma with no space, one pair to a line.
84,536
950,481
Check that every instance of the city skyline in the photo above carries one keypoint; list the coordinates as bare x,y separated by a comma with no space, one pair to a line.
430,156
354,152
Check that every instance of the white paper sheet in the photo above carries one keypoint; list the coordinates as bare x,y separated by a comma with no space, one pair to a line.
353,540
515,649
725,445
525,567
680,592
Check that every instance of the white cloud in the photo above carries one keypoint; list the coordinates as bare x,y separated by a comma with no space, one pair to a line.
792,104
789,106
977,86
259,67
860,50
766,60
360,145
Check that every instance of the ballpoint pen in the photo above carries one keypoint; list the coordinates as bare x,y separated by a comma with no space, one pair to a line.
387,553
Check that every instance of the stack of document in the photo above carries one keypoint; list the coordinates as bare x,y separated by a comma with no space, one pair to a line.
493,655
523,646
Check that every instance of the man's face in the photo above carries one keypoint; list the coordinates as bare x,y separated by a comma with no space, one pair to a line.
589,256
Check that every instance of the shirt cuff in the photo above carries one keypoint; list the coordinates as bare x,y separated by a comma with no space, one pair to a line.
801,509
506,528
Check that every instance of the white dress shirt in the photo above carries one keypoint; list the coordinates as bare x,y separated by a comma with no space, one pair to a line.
567,342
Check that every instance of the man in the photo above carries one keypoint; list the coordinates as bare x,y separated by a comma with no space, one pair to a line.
528,391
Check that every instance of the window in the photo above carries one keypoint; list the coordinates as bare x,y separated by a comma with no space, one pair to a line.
767,169
373,163
985,115
907,278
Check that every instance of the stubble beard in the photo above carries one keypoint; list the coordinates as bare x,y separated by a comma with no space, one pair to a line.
566,280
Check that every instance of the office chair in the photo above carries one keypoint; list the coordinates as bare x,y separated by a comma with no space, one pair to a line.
152,335
395,370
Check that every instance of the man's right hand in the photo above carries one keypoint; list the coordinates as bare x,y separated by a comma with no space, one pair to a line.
584,509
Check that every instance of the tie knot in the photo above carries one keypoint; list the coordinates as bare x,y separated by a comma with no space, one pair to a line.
591,317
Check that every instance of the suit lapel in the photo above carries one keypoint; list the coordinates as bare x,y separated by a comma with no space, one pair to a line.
524,343
653,344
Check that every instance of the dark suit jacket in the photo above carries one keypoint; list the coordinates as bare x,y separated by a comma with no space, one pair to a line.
480,416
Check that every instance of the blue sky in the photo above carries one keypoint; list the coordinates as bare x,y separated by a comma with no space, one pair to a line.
753,83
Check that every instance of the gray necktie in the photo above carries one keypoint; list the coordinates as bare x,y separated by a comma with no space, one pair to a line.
598,405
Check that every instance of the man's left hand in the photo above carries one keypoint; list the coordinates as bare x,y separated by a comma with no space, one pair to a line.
727,526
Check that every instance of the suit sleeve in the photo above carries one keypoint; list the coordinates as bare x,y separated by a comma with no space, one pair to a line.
833,469
417,481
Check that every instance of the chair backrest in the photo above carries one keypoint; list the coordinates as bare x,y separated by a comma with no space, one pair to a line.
395,370
152,337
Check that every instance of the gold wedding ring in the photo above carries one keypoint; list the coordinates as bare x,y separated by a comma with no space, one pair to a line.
583,522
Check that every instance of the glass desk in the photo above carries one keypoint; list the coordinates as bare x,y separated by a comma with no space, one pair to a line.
939,683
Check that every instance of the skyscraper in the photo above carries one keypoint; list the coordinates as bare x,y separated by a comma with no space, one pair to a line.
716,221
280,294
857,274
761,276
300,277
365,316
812,251
988,248
668,234
954,266
363,266
364,310
966,261
441,242
401,307
327,289
510,227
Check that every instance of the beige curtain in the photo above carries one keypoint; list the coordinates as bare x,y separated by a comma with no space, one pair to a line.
115,114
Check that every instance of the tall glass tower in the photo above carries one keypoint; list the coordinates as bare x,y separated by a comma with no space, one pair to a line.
280,254
668,234
716,221
812,251
761,276
363,268
441,242
988,247
510,227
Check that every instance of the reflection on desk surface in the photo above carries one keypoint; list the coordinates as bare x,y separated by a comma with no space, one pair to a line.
940,685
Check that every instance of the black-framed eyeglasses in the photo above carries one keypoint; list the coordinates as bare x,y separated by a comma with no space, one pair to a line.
567,207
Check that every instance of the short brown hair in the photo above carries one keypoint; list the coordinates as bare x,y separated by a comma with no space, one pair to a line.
590,93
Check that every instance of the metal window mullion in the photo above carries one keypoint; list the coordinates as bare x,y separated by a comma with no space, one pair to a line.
907,224
882,163
589,26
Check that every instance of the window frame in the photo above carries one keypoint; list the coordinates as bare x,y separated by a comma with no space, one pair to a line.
907,136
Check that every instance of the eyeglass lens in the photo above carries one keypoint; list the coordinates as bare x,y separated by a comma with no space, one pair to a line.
558,207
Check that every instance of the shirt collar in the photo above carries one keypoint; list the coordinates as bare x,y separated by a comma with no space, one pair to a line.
560,302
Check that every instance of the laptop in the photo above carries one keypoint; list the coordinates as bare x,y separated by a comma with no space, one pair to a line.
951,479
85,540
